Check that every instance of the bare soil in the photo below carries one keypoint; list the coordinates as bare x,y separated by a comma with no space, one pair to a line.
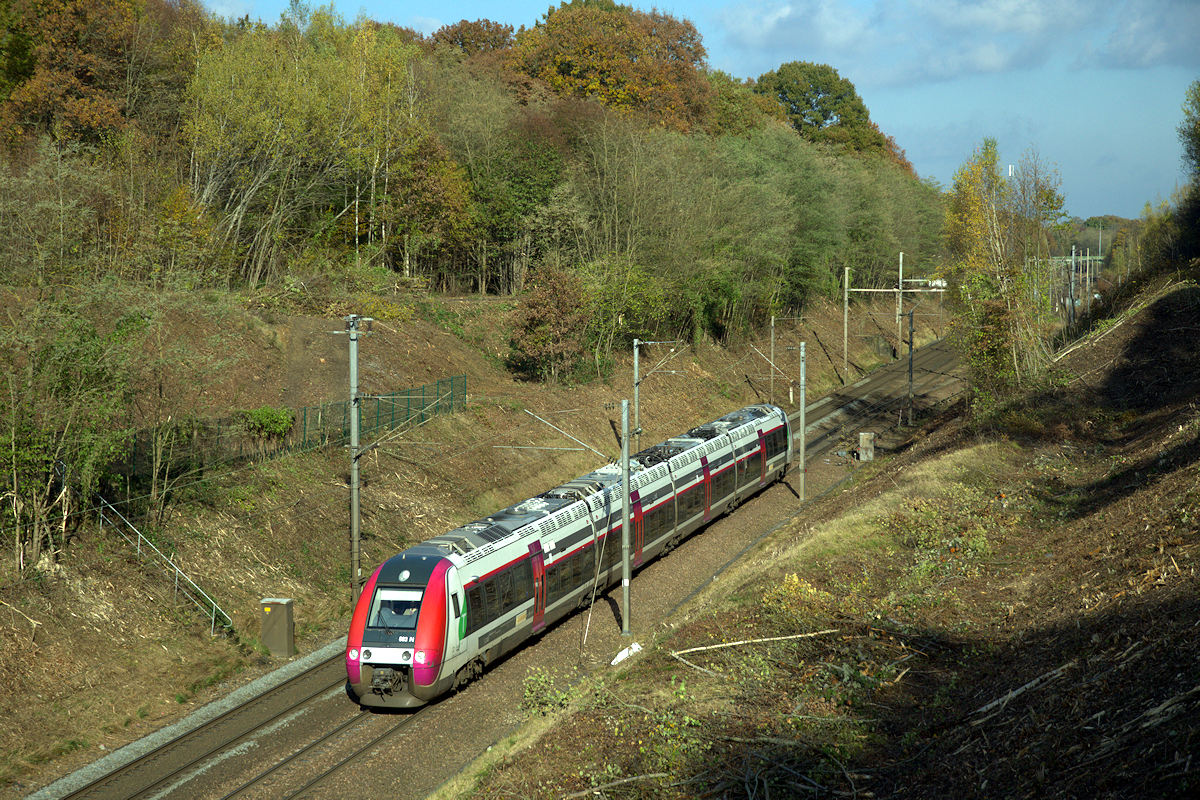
96,650
1013,614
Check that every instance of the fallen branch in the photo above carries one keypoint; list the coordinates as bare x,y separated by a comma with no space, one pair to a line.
602,787
1045,676
678,657
754,641
32,622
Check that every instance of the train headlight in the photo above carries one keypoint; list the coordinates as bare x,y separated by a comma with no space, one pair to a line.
420,657
354,654
406,656
366,654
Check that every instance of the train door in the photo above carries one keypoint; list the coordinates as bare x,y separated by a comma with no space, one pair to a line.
639,526
538,560
762,458
707,488
457,614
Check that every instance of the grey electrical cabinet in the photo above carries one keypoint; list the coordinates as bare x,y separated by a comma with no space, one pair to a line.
277,627
866,446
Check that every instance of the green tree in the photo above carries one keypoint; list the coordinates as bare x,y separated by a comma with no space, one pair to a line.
989,224
736,109
1189,129
1189,205
64,420
51,229
824,107
511,165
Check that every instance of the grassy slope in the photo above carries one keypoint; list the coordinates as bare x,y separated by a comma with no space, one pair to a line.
112,656
1009,612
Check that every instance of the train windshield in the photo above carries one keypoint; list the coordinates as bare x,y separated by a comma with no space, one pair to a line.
394,609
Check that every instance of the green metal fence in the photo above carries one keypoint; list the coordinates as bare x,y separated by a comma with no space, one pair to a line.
329,424
199,443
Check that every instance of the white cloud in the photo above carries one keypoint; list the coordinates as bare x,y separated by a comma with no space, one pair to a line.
229,9
913,42
425,25
1149,33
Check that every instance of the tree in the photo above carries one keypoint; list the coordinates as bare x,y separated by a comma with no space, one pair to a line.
736,109
480,36
63,421
990,224
313,128
824,107
82,69
511,165
550,325
74,86
628,60
1189,129
50,226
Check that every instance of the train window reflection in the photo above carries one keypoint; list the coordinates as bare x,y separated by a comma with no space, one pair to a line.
394,608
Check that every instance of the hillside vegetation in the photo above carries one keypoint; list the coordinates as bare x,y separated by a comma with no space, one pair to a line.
109,653
1005,610
155,159
190,208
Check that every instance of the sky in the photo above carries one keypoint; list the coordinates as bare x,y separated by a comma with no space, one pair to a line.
1094,87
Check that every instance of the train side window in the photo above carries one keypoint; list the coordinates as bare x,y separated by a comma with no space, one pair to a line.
457,608
491,597
523,579
505,580
475,611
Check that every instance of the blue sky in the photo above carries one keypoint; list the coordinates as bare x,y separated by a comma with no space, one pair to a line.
1095,86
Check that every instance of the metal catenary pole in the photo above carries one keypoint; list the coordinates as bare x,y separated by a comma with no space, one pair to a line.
771,390
910,365
637,383
900,306
846,328
353,323
803,423
355,506
625,570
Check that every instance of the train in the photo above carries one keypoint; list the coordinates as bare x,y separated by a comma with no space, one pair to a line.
434,617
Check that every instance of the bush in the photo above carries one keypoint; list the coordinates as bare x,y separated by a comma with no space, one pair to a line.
551,322
267,422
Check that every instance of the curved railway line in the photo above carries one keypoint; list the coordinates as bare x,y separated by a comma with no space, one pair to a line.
332,734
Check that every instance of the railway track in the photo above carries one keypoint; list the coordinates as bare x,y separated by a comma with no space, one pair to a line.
306,736
154,773
287,778
877,401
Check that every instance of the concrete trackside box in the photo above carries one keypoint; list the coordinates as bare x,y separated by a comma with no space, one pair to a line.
277,627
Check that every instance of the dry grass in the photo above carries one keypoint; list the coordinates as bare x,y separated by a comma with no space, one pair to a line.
114,657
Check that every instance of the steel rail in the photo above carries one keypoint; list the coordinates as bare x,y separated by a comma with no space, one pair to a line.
109,784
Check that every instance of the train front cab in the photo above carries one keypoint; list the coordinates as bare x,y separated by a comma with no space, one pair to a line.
397,641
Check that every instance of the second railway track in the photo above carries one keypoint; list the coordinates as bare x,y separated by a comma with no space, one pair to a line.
327,735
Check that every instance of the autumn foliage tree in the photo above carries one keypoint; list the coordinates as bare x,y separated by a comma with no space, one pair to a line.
79,69
628,60
993,226
472,38
549,326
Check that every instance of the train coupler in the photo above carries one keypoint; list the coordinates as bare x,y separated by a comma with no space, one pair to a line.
385,680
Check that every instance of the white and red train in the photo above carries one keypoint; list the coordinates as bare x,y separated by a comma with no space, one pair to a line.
436,615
